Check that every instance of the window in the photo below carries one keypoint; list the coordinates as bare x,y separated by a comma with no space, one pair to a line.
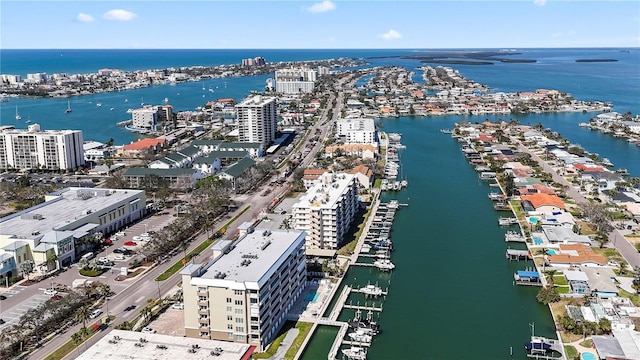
240,320
202,289
238,302
253,300
229,309
239,311
230,336
202,298
229,318
204,333
228,300
239,328
239,337
229,326
237,292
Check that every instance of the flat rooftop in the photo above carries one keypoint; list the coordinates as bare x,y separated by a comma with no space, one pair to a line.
61,209
252,256
326,192
176,347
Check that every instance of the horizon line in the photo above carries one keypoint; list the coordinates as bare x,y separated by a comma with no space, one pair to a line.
345,48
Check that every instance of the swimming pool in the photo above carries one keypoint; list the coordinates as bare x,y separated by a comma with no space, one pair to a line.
312,296
587,356
552,252
537,240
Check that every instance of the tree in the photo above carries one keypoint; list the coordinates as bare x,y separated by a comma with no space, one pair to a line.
52,259
77,339
622,267
598,214
548,294
82,314
105,291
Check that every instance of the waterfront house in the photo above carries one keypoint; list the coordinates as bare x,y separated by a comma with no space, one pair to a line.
563,234
605,180
622,345
542,202
363,151
363,174
576,255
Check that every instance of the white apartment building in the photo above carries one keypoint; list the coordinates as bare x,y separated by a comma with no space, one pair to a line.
357,131
326,210
147,117
295,80
34,148
59,225
245,292
257,119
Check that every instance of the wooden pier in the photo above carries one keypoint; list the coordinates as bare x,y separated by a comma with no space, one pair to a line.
358,307
517,255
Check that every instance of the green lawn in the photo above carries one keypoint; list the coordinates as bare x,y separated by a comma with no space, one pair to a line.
635,298
69,346
572,352
560,280
609,253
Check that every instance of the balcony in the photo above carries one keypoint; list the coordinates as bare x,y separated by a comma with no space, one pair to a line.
203,302
203,311
203,293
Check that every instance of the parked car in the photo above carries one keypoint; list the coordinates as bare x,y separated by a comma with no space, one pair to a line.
119,257
122,250
178,306
148,330
56,297
95,313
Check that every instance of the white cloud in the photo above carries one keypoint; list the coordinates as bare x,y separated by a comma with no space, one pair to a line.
85,18
321,7
540,2
390,35
119,15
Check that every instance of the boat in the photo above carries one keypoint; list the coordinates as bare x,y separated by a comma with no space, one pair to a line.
360,336
371,290
129,111
18,117
355,353
512,236
99,104
28,120
505,221
166,100
404,184
111,109
368,326
68,107
583,124
446,131
384,264
497,196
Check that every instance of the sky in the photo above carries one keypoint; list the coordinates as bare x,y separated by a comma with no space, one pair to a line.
320,24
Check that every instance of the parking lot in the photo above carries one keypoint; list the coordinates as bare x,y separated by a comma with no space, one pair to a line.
171,322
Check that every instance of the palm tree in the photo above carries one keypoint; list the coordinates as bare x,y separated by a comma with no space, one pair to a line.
623,267
52,259
105,291
77,339
82,314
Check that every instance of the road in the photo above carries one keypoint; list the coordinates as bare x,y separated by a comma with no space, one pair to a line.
624,247
138,290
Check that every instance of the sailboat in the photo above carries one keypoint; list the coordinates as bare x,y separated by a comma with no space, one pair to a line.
18,117
142,101
68,107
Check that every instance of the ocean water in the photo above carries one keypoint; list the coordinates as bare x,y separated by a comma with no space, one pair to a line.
451,295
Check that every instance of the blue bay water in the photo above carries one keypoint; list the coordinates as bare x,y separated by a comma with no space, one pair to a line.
451,295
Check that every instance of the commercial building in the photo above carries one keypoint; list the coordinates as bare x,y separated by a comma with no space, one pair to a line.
63,222
245,292
327,210
37,149
295,80
257,120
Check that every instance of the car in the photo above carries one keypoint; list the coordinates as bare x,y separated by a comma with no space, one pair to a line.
613,263
120,234
95,313
178,306
2,297
50,292
119,257
129,308
148,330
56,297
102,259
121,250
129,243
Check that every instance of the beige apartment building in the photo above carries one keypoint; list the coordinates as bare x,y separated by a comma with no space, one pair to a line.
243,295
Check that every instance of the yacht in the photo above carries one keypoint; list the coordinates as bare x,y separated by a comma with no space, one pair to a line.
18,117
384,264
371,290
68,107
360,336
99,104
355,353
505,221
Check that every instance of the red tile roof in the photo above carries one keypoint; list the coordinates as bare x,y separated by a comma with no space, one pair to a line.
144,144
540,199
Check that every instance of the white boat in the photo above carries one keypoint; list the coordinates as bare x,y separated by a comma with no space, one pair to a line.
166,100
68,107
99,104
111,109
129,111
360,336
384,264
583,124
18,117
371,290
504,221
512,236
404,184
355,353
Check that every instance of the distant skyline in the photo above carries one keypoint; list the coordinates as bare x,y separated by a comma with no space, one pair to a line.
321,24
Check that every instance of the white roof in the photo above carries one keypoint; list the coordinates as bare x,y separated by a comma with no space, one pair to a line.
573,275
